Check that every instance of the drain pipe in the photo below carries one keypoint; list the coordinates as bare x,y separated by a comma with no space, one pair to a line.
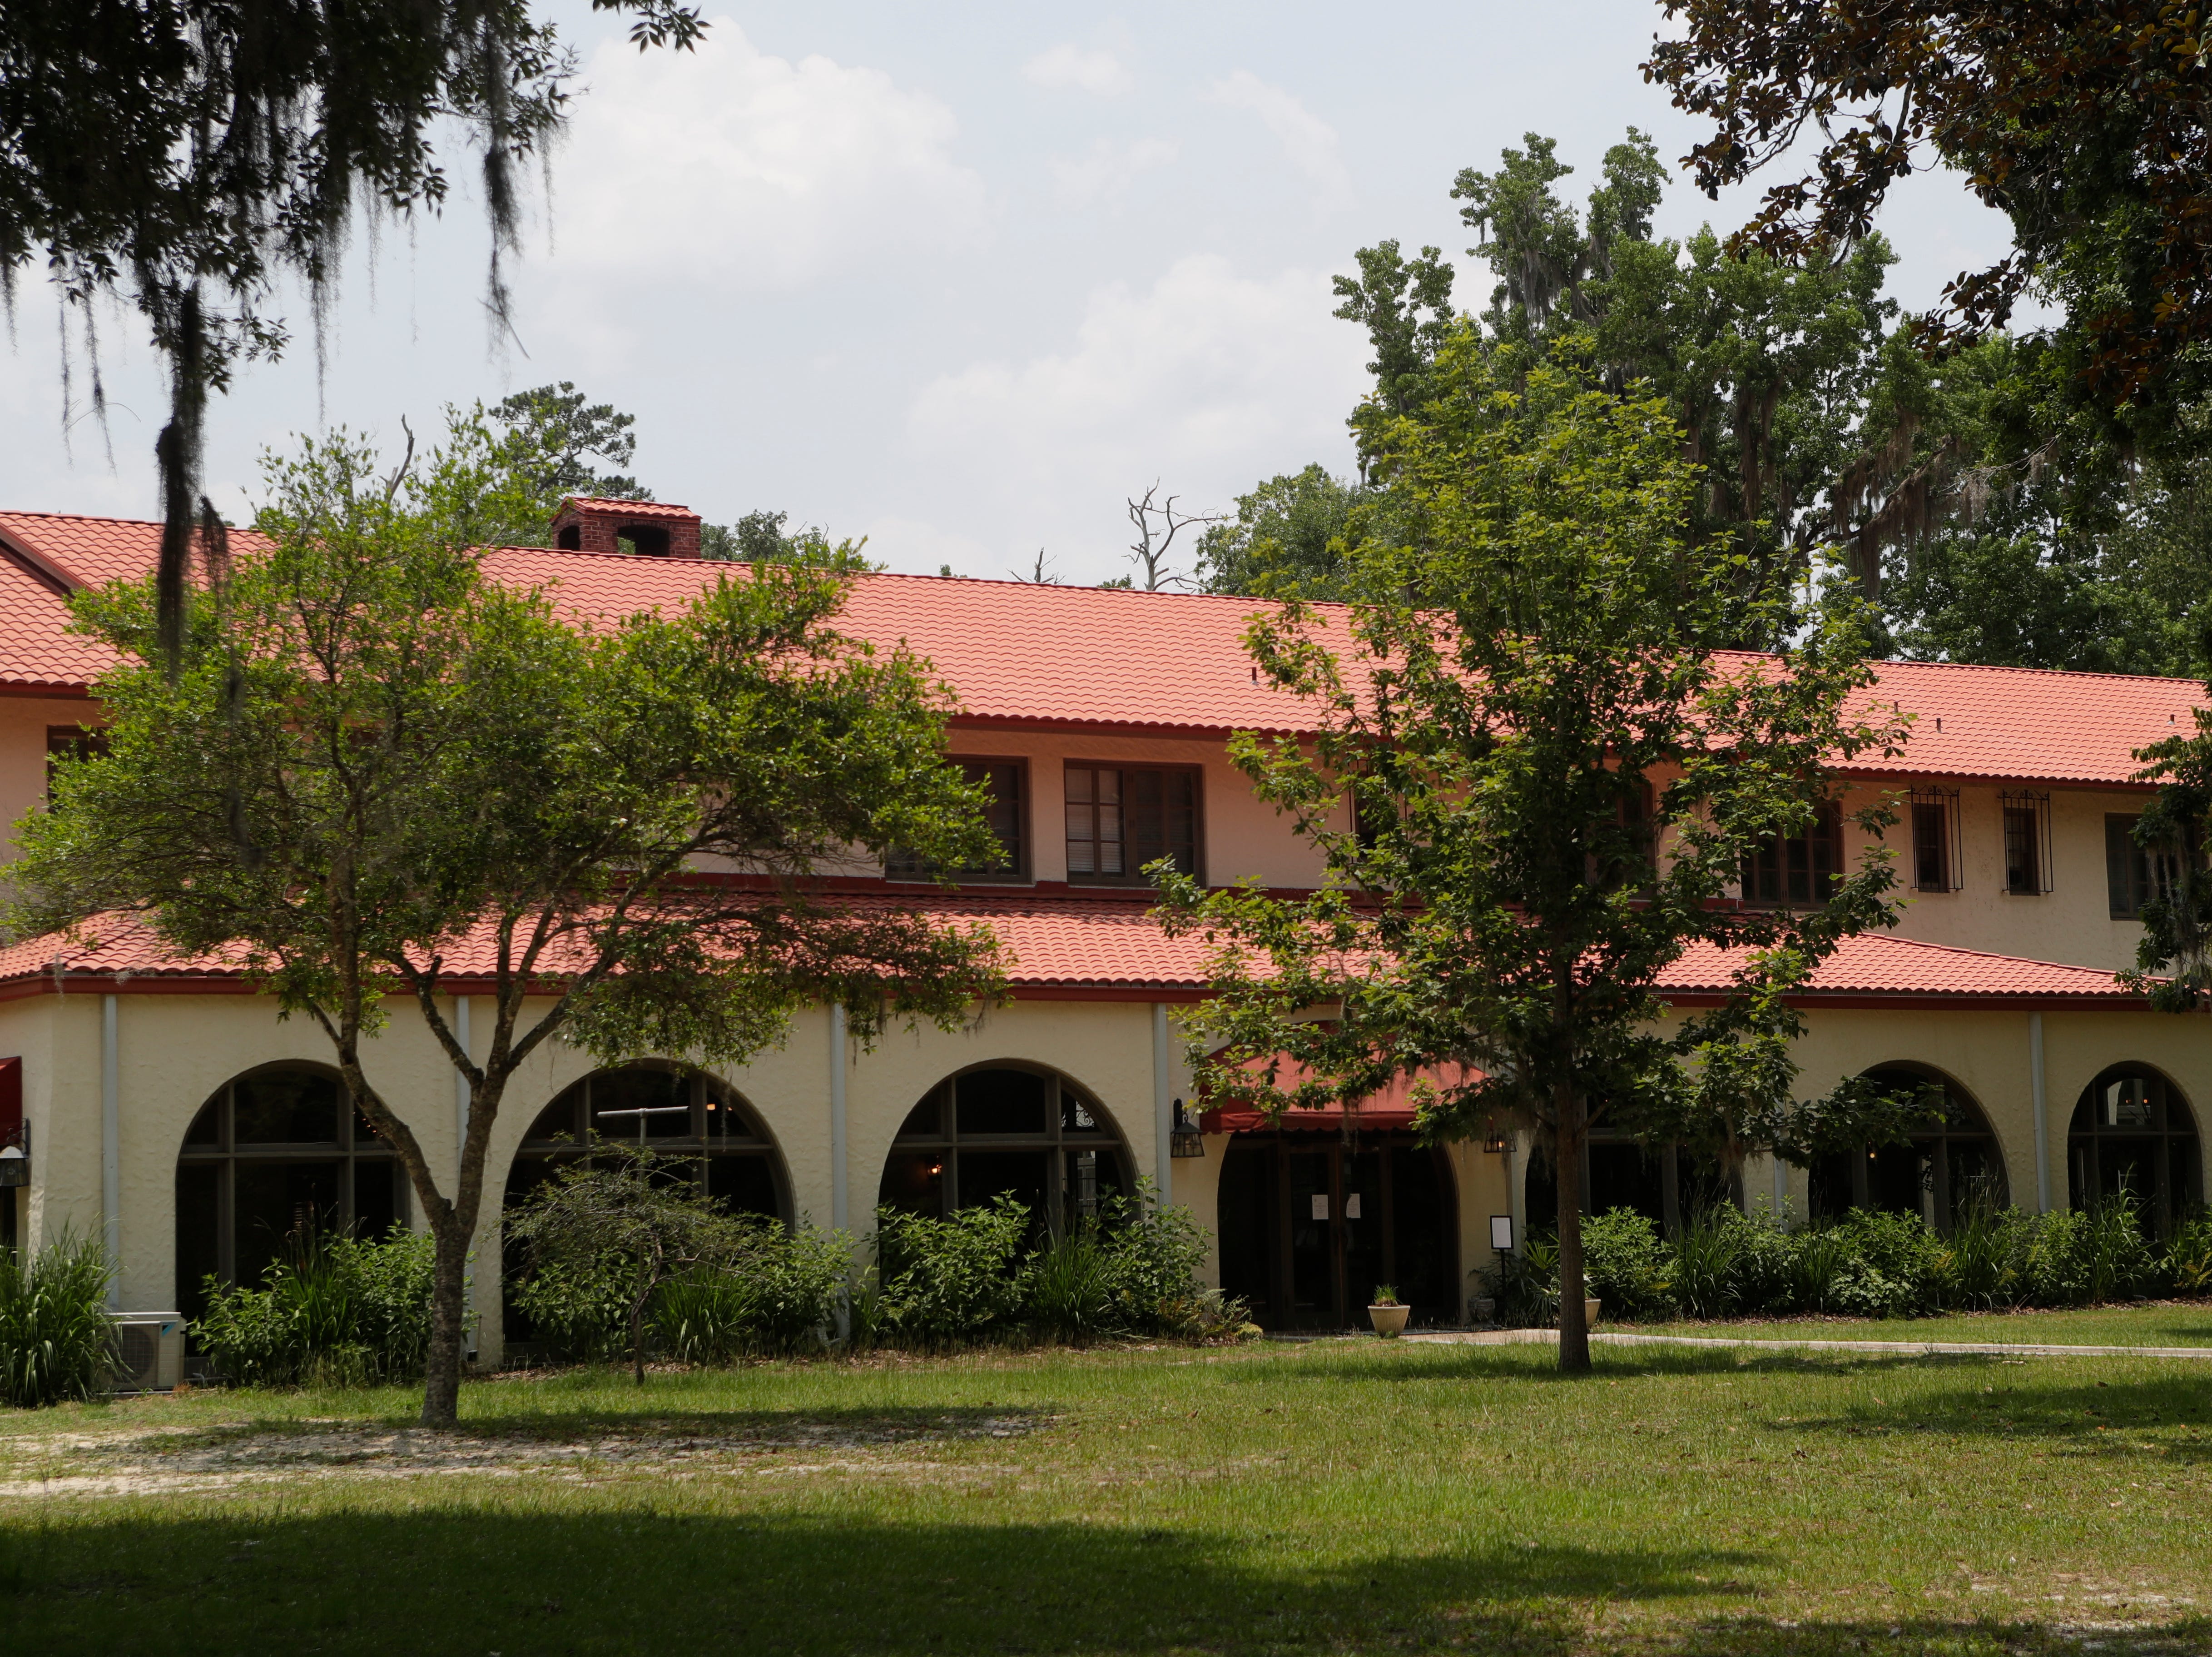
461,1152
1162,1106
2042,1114
839,1202
111,1154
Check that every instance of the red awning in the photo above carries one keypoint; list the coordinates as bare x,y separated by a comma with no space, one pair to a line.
1391,1109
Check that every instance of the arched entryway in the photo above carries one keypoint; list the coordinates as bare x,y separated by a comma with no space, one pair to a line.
2133,1130
673,1110
1943,1170
678,1111
274,1157
1008,1129
1310,1222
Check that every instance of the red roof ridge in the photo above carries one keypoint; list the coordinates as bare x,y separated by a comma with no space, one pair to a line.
2047,673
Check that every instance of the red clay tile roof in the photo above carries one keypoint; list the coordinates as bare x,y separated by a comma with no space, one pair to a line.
1111,945
1881,964
631,508
1056,943
1020,653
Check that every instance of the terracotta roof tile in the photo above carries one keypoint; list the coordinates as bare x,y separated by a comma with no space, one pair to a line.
1883,964
1114,943
632,509
1021,653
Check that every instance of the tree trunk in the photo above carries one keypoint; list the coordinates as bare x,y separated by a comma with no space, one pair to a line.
442,1379
1574,1330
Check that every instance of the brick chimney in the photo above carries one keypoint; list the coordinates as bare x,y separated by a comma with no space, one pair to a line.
653,529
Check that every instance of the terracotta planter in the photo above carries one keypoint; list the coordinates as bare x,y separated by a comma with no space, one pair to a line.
1389,1320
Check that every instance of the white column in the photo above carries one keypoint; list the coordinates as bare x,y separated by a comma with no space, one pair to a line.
1163,1105
2041,1114
460,1150
841,1208
110,1152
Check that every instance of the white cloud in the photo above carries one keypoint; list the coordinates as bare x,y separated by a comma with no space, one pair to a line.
1067,65
1308,141
753,173
1105,171
1207,379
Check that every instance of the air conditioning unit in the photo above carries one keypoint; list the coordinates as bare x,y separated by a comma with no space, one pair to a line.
149,1351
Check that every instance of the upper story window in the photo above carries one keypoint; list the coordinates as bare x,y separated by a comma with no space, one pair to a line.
1121,817
1007,813
1798,868
2027,844
1934,821
2135,874
70,742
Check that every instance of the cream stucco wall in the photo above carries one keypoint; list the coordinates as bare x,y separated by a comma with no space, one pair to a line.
174,1050
2072,922
23,724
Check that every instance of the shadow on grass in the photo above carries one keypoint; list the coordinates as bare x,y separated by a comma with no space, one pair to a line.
632,1577
670,1577
2108,1417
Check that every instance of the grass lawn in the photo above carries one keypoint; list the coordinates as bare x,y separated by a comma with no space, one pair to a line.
2172,1323
1332,1496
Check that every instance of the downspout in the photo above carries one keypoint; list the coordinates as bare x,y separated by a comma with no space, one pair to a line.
460,1155
1162,1106
840,1204
111,1155
2042,1118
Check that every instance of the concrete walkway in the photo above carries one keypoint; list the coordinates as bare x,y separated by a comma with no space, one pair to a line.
1875,1348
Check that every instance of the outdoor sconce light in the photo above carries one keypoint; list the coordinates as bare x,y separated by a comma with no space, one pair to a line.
1184,1138
1494,1143
15,1158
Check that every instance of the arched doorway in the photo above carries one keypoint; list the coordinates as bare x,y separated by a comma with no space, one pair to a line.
274,1154
673,1110
1006,1128
697,1120
1664,1183
1942,1170
2133,1130
1310,1222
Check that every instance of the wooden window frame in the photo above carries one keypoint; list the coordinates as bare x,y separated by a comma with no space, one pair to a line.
916,873
2133,874
1933,804
2034,805
1828,827
1133,875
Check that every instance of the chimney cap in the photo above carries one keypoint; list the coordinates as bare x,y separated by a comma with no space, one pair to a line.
625,508
591,523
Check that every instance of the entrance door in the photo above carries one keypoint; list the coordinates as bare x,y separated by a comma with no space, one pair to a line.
1309,1227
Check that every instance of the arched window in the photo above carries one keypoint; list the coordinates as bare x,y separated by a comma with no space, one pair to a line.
1667,1184
673,1110
1943,1170
2133,1130
1028,1133
275,1155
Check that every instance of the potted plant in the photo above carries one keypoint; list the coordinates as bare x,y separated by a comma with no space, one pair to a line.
1385,1314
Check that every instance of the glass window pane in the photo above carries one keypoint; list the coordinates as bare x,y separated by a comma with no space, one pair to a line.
743,1185
727,1121
658,1100
380,1197
287,1107
563,1116
914,1183
275,1202
993,1102
207,1127
1075,1115
198,1233
1021,1175
1079,783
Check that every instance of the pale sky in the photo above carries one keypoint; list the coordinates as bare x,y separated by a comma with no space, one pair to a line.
959,279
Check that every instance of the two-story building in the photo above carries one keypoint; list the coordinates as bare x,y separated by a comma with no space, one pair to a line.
163,1105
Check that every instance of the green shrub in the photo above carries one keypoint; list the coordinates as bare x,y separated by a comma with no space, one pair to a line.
1628,1265
580,1308
1893,1266
775,1293
339,1310
1152,1253
1989,1250
2188,1266
57,1341
1067,1287
951,1280
1525,1284
1708,1250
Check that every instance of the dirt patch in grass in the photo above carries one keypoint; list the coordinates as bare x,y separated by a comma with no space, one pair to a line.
179,1461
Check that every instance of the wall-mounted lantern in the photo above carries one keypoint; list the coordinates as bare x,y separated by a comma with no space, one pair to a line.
15,1157
1184,1138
